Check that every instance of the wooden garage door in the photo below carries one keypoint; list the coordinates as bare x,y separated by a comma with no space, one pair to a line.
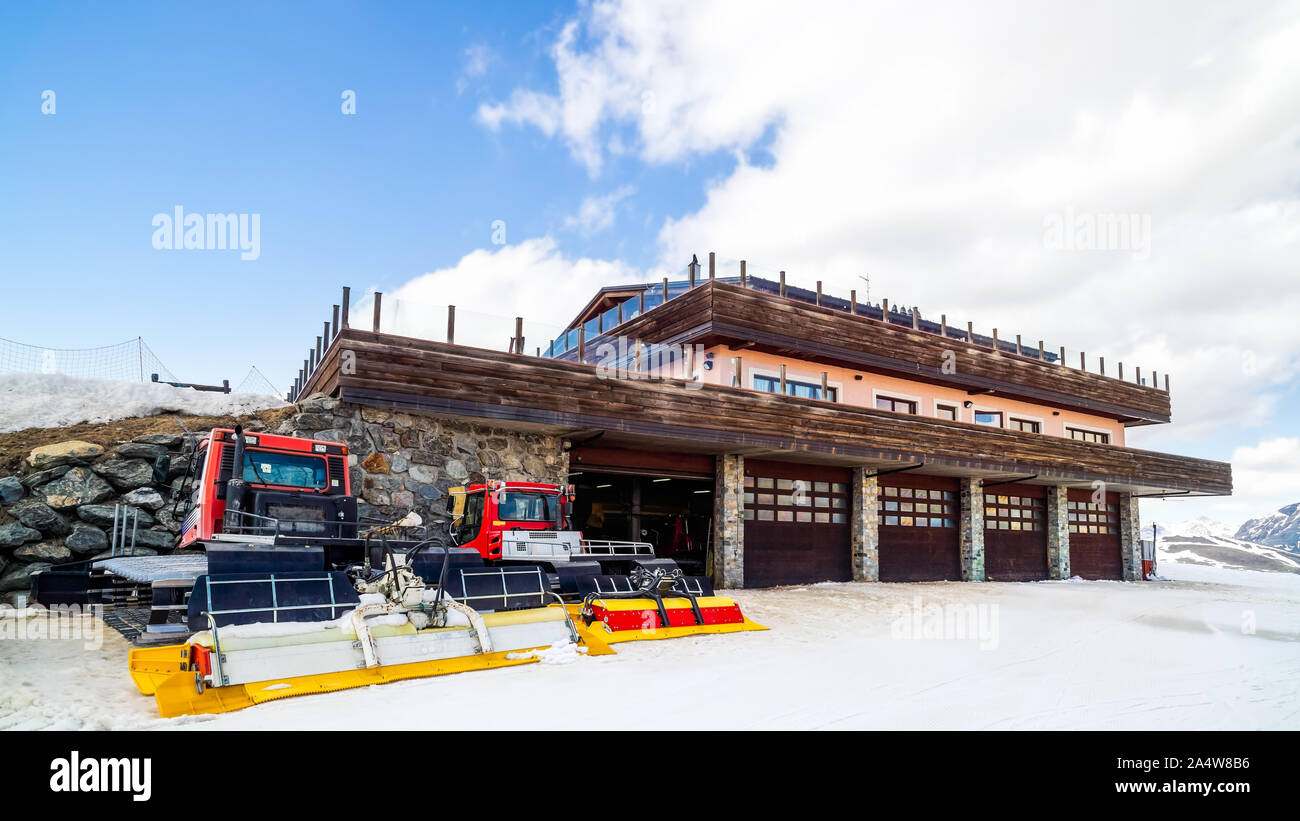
1015,533
919,537
796,524
1094,536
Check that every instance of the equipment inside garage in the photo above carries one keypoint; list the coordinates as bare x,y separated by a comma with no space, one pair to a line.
673,514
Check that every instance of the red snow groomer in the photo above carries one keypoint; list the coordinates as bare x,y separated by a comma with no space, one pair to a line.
619,590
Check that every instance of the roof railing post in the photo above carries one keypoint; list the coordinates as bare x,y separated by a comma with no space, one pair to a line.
519,334
712,263
582,343
884,309
853,302
451,324
1083,361
334,330
970,332
995,340
665,289
1019,350
1166,381
379,299
347,297
1138,375
916,318
783,283
1101,365
1121,370
1042,354
819,293
1061,361
691,277
943,325
327,338
640,302
320,350
744,280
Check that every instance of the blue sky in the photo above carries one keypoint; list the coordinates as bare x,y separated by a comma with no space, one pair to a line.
925,146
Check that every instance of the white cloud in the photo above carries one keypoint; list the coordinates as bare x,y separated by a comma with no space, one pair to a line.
597,213
489,288
1265,477
925,146
477,59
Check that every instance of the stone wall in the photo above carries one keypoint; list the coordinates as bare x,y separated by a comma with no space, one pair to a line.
403,461
59,505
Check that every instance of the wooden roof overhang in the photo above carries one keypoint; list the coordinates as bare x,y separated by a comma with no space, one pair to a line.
574,400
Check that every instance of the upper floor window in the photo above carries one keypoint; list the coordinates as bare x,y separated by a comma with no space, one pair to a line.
807,390
1088,435
889,403
1026,425
991,418
948,412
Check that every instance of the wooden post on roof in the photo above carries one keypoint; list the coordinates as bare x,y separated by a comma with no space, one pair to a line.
306,370
783,379
970,332
347,297
1083,361
1121,370
736,380
783,283
582,343
325,336
379,299
665,289
1155,379
320,349
640,302
712,264
853,302
744,280
995,339
620,314
334,329
451,324
1061,361
1042,354
916,318
884,309
943,325
519,334
1138,375
691,275
1101,365
1019,349
1166,381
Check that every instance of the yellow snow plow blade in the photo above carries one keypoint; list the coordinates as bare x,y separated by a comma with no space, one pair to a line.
178,695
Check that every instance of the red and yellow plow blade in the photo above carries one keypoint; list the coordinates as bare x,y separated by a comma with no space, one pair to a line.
617,620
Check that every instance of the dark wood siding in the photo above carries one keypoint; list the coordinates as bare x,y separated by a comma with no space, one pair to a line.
641,462
919,545
796,524
1015,533
1094,536
434,377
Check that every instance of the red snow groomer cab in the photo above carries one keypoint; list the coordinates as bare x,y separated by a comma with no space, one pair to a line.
293,487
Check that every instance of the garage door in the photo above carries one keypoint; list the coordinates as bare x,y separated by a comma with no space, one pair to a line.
796,524
1094,536
1015,533
919,537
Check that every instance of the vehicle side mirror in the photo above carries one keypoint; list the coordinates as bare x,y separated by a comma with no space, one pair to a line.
161,467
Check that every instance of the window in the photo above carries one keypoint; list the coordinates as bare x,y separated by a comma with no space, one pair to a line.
807,390
1026,425
263,467
468,526
916,507
1088,435
1093,518
889,403
1012,512
946,412
516,506
991,418
796,500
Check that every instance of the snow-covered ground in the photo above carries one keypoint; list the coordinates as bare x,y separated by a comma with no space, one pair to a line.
34,400
1208,649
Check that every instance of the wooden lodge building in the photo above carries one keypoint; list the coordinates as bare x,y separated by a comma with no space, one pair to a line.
772,435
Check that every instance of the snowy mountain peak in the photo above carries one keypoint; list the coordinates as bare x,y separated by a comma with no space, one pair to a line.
1280,529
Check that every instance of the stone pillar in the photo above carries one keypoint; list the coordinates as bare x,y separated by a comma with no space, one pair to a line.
1058,532
1130,537
972,530
866,527
728,522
